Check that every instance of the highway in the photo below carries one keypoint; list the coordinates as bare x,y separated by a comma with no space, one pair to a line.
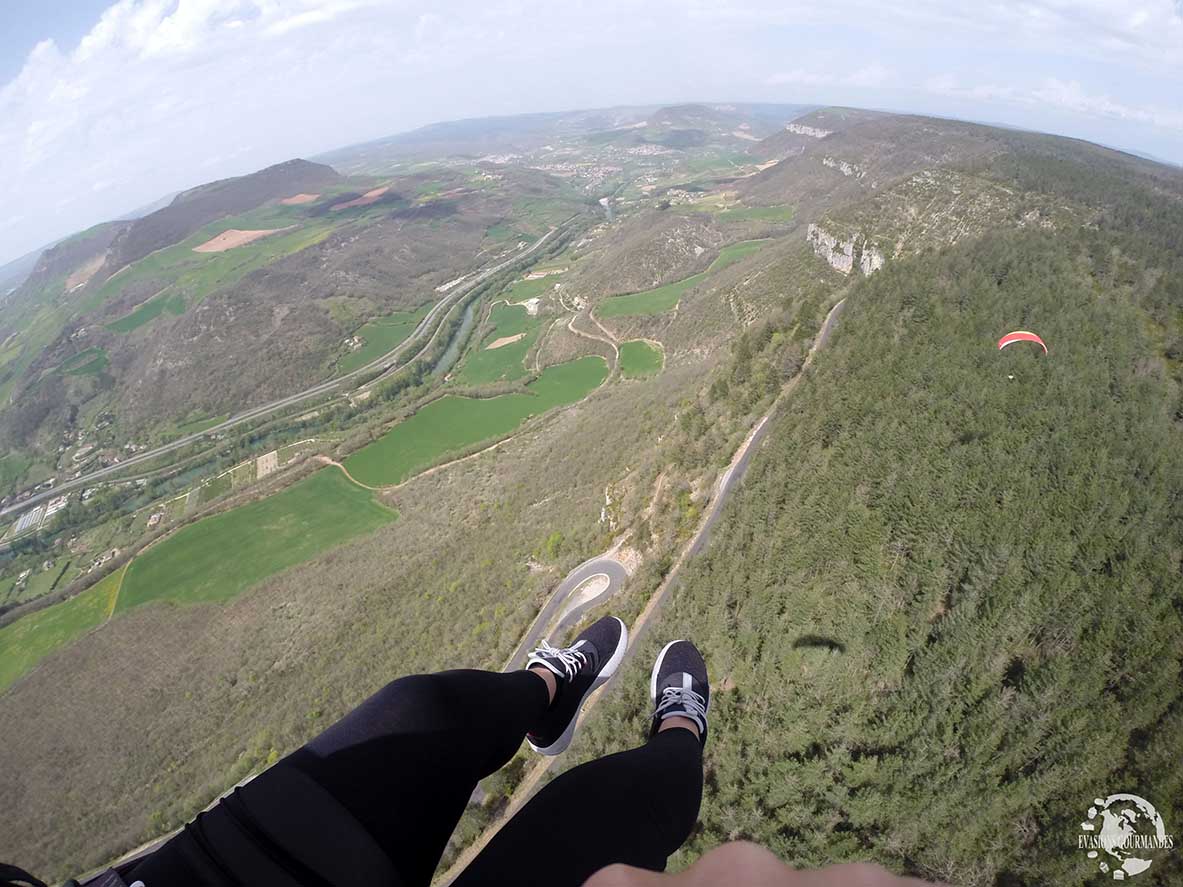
386,363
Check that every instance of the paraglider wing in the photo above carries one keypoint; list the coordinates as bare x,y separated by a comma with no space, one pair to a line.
1021,336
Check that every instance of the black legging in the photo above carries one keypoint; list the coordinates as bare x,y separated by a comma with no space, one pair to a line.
406,761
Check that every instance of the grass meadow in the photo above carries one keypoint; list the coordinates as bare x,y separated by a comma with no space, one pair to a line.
382,335
663,298
504,363
453,423
149,311
781,213
639,359
90,362
31,638
220,556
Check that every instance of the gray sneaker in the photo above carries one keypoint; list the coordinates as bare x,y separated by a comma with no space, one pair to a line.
579,669
679,687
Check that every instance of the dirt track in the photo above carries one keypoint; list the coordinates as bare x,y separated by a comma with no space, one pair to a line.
365,200
233,237
503,341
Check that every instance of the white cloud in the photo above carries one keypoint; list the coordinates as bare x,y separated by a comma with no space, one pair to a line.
164,94
314,16
1094,29
1061,95
871,76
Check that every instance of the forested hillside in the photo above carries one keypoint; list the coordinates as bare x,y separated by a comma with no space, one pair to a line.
946,610
943,611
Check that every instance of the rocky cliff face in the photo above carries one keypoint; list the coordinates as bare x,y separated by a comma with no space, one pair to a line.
847,169
871,260
812,131
841,254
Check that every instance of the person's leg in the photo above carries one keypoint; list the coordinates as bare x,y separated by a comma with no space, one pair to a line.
406,761
402,764
636,807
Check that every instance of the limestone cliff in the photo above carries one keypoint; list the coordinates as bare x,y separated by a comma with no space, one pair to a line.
841,254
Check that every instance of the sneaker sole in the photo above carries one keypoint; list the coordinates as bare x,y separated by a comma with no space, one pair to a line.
609,669
657,668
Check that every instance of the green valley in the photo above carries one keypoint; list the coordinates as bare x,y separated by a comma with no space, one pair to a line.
737,362
451,424
664,298
219,556
500,354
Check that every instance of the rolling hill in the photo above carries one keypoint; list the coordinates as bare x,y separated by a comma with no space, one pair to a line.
941,614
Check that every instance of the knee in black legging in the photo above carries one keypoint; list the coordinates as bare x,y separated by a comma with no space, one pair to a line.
413,704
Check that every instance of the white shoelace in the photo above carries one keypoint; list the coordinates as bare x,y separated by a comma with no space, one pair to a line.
680,702
570,659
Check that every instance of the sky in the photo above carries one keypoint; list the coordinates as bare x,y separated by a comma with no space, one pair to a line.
106,107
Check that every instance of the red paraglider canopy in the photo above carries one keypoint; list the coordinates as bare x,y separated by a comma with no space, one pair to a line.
1021,336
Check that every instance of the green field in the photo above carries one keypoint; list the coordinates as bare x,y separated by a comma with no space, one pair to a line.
528,289
501,233
31,638
13,466
85,363
639,359
220,556
504,363
653,301
219,486
782,213
715,160
149,311
735,252
195,275
382,335
453,423
663,298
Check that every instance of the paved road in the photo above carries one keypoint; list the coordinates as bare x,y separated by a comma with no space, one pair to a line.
603,564
386,363
724,486
734,474
596,566
599,565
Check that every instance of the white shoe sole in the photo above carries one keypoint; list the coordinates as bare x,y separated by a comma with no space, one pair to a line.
657,668
560,745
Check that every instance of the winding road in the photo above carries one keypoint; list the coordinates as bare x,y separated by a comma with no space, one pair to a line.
386,363
608,566
601,565
723,487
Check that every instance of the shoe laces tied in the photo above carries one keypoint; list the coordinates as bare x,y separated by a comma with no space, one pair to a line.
680,702
569,661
